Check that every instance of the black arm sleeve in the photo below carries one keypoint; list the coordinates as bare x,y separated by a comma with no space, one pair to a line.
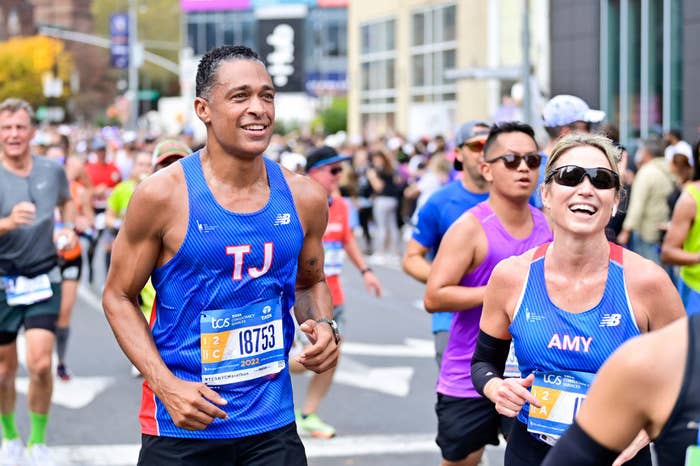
577,448
489,359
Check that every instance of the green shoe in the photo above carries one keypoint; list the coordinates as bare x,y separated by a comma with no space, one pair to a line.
313,425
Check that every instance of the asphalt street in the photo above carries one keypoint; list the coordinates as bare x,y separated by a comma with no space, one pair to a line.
381,402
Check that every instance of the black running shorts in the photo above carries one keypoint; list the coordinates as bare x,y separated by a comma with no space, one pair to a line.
465,425
280,446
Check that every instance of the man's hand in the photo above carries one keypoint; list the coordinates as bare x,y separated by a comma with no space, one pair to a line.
191,404
509,395
322,354
70,238
23,213
372,284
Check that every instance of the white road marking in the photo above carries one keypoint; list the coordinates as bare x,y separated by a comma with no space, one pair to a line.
412,348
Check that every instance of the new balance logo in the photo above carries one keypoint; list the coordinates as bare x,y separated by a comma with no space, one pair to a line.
610,320
283,219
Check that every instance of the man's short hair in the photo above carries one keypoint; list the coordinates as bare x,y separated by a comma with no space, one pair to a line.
507,127
14,105
654,146
209,64
675,132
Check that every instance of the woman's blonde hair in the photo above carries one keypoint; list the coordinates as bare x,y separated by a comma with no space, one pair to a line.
568,142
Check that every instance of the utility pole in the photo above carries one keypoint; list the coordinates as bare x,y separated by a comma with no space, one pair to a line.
527,97
134,63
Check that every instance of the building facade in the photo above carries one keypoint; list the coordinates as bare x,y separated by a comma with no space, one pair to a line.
635,59
304,44
401,51
16,19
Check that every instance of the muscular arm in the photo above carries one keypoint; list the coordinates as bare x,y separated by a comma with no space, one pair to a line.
457,255
136,250
683,216
414,262
313,298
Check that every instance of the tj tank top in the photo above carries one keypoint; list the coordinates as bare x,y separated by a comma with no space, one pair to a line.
222,312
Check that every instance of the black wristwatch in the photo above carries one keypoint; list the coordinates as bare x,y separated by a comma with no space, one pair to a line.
334,327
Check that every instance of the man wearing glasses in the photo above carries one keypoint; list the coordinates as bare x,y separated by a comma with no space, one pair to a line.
500,227
441,210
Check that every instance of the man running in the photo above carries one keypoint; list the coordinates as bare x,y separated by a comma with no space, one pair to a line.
441,210
324,166
503,226
231,241
31,187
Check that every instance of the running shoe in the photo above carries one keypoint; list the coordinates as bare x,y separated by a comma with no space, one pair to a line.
12,453
63,372
313,426
39,455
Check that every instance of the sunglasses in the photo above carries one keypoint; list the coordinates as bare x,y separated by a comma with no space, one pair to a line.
335,170
512,161
474,146
573,175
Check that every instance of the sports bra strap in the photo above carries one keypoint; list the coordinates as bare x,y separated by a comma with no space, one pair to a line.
540,251
616,253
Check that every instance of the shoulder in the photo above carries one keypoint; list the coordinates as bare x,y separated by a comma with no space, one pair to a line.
160,191
511,272
643,277
307,193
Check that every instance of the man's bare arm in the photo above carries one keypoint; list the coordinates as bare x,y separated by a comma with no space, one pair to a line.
456,256
414,262
672,250
134,255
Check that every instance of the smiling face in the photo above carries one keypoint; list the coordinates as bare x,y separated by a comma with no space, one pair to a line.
239,110
515,183
16,133
581,209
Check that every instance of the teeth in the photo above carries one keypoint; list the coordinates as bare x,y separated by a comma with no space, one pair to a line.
584,207
255,127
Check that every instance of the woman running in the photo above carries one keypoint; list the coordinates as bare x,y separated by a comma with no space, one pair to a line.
567,305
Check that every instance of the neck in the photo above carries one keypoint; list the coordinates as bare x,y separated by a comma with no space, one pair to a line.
511,212
579,255
18,165
233,171
472,186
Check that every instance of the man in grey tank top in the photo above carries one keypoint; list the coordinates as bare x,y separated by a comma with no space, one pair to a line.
31,188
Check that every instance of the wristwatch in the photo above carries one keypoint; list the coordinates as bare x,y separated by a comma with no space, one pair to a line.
334,327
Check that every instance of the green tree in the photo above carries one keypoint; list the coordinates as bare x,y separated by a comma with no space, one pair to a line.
335,116
23,63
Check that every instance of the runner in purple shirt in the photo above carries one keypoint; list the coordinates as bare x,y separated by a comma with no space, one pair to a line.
498,228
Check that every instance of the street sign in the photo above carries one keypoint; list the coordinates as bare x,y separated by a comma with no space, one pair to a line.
119,40
148,94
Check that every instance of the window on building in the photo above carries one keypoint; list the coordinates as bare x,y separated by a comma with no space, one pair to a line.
642,76
208,30
378,77
433,51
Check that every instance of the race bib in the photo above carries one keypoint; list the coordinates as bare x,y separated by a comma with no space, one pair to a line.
512,369
334,254
242,344
21,291
692,456
561,395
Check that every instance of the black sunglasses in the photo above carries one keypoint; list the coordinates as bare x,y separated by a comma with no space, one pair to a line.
573,175
512,161
335,170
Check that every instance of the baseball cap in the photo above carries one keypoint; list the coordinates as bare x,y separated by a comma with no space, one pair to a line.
470,131
564,109
98,144
170,148
322,156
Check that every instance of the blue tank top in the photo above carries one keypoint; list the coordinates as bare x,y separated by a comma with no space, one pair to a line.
230,284
547,338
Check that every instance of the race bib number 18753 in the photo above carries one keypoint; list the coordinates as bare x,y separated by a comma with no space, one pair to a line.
242,344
